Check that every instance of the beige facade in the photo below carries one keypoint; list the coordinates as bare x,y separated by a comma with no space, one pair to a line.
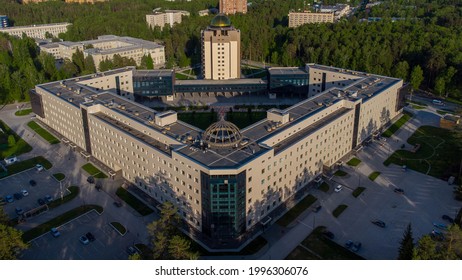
299,18
221,52
273,159
169,17
230,7
38,31
105,47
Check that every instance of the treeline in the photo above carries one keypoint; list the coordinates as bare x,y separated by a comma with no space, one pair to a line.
428,39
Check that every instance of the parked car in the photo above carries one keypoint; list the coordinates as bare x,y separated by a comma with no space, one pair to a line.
317,208
348,244
19,211
90,236
9,198
131,250
378,223
55,232
440,226
41,201
118,203
84,240
39,167
32,183
448,219
17,196
91,179
338,188
48,198
398,190
24,192
356,246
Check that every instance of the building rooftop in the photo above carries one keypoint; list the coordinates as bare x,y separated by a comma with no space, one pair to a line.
36,25
286,70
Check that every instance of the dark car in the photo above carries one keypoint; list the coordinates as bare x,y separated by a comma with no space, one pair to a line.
448,219
32,183
378,223
348,244
356,246
91,180
90,236
41,201
19,211
48,198
9,198
17,196
118,203
398,190
317,208
131,250
328,234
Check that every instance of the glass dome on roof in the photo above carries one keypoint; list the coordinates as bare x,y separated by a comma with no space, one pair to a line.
222,134
220,20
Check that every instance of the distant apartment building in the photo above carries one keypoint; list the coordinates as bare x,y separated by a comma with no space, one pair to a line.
169,17
105,47
299,18
221,50
38,31
3,21
230,7
339,10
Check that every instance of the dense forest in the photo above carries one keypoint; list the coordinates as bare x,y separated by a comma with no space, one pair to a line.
427,36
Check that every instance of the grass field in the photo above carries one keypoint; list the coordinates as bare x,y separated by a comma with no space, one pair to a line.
324,187
119,227
27,164
374,175
339,210
244,119
295,211
340,173
437,155
320,246
395,126
59,176
201,120
23,112
93,171
358,191
354,162
134,202
43,133
20,146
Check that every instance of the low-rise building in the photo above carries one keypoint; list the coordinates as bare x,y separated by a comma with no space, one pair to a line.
339,10
3,21
169,17
300,18
39,31
105,47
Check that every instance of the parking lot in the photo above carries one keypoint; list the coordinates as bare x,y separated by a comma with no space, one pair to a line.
108,244
45,185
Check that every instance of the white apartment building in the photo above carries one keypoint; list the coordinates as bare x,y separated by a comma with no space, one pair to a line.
224,181
38,31
299,18
105,47
169,17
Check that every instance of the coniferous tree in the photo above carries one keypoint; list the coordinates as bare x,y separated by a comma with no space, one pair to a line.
406,248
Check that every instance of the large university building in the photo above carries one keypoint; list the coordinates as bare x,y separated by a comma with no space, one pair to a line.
221,50
232,6
226,182
38,31
105,47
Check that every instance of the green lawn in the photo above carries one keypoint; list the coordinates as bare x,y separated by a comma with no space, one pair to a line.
59,220
27,164
181,76
354,162
59,176
93,171
418,103
201,120
19,147
324,247
340,173
324,187
418,107
374,175
23,112
395,126
437,154
358,191
43,133
244,119
134,202
339,210
443,112
120,228
295,211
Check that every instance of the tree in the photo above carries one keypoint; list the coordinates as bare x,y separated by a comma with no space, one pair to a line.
406,248
402,70
447,247
416,77
11,243
426,249
178,248
440,85
134,257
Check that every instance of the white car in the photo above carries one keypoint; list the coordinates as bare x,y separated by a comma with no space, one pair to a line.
39,167
338,188
25,193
